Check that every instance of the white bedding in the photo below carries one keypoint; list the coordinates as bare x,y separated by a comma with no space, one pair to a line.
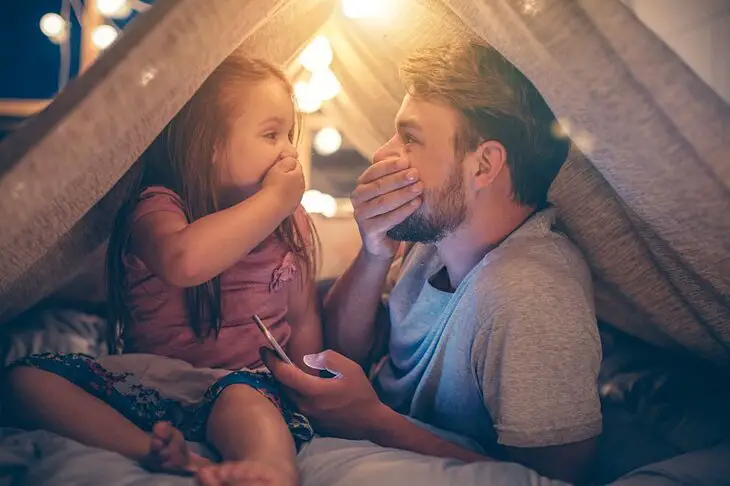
636,432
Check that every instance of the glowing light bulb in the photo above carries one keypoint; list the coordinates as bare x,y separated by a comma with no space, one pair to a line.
317,56
561,128
53,26
530,7
327,141
584,141
325,85
317,202
103,36
364,9
113,8
307,99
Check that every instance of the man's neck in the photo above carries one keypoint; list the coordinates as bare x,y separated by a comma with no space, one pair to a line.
464,248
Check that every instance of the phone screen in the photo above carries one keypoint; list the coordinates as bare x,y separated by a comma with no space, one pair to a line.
269,337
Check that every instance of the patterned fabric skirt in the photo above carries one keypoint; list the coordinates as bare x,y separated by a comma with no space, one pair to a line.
147,389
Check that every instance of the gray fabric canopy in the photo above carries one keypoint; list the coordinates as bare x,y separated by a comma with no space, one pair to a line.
645,193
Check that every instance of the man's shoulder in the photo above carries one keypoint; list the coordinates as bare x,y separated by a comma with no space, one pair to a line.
534,268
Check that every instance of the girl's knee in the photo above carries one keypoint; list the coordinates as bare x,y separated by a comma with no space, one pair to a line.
240,394
240,398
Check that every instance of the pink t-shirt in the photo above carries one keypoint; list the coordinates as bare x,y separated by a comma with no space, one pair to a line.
258,284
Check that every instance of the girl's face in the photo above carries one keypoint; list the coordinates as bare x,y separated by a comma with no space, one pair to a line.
258,138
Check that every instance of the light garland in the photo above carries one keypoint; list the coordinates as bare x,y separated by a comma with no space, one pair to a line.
327,141
103,36
115,9
317,56
57,27
365,9
54,27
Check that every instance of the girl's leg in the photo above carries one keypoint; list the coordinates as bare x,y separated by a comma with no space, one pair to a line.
42,400
253,440
39,399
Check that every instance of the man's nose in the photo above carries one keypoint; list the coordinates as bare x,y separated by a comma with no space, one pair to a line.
391,148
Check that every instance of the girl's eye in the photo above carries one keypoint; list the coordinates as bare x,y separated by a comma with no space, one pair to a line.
271,135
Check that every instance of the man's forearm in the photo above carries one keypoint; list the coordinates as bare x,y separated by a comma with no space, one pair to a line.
351,305
393,430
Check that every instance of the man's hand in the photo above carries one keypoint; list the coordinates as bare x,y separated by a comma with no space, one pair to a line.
386,194
344,406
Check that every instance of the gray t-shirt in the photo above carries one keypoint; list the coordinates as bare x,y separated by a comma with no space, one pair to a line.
512,356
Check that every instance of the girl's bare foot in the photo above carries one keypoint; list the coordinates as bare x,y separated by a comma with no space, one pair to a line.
169,451
248,473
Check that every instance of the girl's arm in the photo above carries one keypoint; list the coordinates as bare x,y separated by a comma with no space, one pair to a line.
186,255
304,319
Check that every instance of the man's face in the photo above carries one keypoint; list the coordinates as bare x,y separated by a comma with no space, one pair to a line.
425,134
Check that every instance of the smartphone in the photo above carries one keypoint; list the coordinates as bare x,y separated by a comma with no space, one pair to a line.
269,337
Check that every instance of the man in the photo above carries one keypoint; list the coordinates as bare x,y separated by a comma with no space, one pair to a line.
492,328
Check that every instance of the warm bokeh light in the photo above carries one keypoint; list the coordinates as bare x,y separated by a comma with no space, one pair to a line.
561,128
317,56
365,9
327,141
103,36
584,141
307,99
53,26
325,85
113,8
315,202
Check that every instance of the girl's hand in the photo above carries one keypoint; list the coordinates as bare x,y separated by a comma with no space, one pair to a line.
285,179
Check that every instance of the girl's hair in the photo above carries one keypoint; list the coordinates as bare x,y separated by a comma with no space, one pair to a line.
180,160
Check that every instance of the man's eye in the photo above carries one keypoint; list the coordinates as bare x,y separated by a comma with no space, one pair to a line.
408,139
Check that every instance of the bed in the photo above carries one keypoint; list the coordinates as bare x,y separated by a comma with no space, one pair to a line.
662,427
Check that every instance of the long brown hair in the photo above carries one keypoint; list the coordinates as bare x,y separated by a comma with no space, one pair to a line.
180,160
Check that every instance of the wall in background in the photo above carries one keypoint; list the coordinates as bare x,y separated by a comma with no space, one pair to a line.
697,30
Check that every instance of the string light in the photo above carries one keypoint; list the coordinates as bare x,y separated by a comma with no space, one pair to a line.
114,8
103,36
530,7
364,9
327,141
317,56
325,85
54,27
584,141
316,202
307,99
561,128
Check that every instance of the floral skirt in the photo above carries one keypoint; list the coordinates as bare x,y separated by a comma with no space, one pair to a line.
147,389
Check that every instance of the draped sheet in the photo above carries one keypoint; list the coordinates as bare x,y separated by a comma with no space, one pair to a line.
645,193
650,206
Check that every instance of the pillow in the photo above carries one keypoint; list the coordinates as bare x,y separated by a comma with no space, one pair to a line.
54,330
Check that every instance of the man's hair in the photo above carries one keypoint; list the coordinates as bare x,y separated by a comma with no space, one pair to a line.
495,101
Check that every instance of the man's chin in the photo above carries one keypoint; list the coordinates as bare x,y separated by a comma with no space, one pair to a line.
397,234
414,230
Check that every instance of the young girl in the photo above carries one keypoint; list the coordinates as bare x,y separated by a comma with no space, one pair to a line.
213,234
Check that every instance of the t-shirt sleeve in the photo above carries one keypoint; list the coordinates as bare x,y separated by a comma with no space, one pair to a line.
538,359
155,199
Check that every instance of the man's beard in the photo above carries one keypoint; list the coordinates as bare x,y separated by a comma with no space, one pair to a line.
441,213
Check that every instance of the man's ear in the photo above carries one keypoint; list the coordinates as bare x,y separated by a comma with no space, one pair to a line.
490,157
